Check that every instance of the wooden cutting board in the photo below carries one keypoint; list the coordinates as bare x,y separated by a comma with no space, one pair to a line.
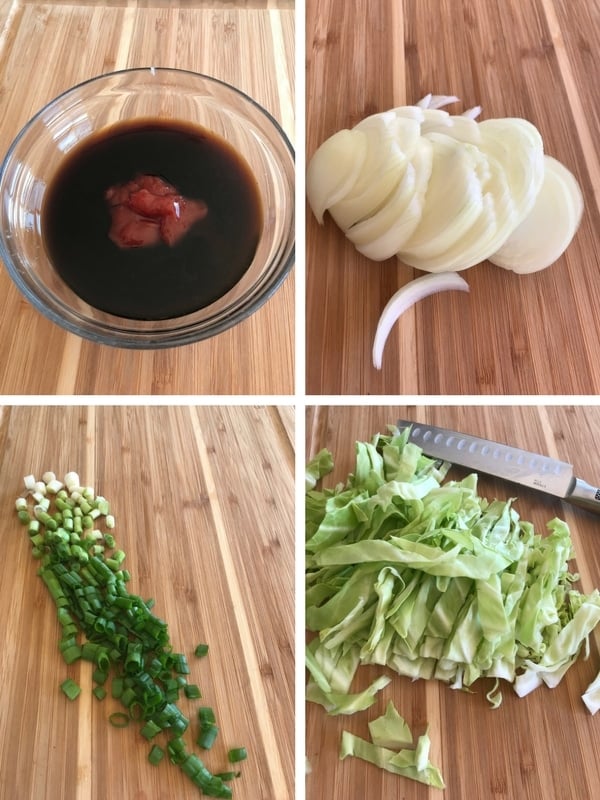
47,47
203,500
532,334
544,745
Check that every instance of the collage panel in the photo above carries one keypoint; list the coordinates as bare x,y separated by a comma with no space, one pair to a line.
147,229
447,143
148,575
452,614
164,368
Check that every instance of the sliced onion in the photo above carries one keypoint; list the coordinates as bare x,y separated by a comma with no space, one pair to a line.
407,296
404,130
380,173
441,100
385,222
453,200
546,232
462,128
486,235
424,101
334,169
437,100
444,192
518,147
435,117
472,113
410,112
366,199
395,223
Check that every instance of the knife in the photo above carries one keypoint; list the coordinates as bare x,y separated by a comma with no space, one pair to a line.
502,461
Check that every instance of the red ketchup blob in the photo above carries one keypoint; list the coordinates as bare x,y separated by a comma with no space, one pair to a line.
147,210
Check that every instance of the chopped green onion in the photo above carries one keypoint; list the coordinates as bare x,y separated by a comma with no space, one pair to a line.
176,750
206,716
99,692
237,754
110,540
180,664
207,736
70,688
99,675
71,654
156,754
103,623
53,486
118,719
150,729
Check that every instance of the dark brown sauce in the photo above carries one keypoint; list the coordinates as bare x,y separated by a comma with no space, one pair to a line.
158,281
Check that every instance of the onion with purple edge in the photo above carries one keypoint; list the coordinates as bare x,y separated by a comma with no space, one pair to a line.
406,297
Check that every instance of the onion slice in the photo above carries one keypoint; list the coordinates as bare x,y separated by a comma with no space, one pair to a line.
405,297
472,113
437,100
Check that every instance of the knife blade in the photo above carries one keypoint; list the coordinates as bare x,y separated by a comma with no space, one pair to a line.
513,464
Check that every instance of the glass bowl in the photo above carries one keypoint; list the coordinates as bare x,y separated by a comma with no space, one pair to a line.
88,108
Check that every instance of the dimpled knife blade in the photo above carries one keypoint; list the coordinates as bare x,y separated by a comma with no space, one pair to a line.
504,461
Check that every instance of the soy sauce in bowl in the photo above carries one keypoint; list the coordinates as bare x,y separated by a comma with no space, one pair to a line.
152,219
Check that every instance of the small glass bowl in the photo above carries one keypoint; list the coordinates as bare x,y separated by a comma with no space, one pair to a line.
40,147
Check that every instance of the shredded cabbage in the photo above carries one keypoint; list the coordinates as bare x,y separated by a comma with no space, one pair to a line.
411,763
424,576
391,729
591,696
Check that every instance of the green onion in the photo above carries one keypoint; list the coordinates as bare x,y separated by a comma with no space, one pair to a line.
99,675
109,540
180,664
118,719
206,716
156,754
71,654
176,750
70,688
150,729
237,754
99,692
207,736
102,622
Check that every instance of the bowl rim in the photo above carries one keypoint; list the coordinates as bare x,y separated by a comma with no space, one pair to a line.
101,333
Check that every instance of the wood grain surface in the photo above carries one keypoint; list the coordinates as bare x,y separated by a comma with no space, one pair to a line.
203,500
532,334
46,47
545,745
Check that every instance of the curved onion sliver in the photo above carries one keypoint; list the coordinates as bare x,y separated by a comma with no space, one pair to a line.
407,296
472,113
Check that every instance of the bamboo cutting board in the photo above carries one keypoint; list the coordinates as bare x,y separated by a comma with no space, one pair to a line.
203,500
531,334
47,47
545,745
